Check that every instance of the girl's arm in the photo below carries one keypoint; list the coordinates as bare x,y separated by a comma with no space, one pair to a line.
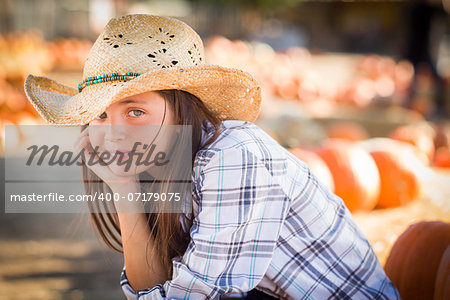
240,213
137,243
133,226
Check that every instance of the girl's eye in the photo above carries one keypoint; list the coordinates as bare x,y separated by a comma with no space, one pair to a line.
102,116
135,113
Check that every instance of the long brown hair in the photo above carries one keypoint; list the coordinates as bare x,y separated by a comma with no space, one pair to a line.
169,239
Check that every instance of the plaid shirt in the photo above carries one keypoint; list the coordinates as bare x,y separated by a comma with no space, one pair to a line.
264,221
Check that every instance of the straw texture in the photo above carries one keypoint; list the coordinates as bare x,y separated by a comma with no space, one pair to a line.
168,53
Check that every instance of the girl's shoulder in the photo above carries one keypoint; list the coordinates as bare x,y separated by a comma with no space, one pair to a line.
237,134
249,141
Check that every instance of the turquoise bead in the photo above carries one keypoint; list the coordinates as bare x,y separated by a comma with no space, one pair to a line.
107,77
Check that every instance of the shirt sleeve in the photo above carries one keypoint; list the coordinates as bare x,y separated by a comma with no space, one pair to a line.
240,214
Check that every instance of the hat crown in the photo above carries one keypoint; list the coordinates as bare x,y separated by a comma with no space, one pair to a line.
143,43
136,54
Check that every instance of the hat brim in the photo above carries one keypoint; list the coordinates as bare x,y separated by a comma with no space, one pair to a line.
231,93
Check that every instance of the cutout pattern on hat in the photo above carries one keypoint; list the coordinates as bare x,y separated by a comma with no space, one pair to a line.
195,54
117,41
161,36
163,59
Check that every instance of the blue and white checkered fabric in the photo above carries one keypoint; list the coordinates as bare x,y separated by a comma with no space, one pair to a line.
264,221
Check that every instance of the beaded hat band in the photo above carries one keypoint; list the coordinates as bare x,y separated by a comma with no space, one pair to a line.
140,53
107,77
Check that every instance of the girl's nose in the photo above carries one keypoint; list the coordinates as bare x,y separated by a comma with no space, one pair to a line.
115,132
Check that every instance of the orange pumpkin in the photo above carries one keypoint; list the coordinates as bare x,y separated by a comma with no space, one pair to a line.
316,164
355,174
288,90
418,136
399,184
414,259
442,157
398,173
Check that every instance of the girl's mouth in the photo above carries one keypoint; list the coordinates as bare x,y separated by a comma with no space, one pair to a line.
118,154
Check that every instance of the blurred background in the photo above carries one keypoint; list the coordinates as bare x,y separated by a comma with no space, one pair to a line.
359,90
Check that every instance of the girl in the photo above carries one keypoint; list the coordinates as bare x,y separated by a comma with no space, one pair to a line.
261,225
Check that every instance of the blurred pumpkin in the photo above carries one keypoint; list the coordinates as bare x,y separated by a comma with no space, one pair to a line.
398,172
384,87
320,108
70,52
368,64
25,118
399,184
364,92
418,136
288,90
307,90
404,74
316,164
415,257
355,174
442,157
386,66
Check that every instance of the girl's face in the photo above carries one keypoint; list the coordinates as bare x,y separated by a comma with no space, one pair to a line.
125,120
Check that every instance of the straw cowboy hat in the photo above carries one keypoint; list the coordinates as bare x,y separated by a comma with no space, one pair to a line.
140,53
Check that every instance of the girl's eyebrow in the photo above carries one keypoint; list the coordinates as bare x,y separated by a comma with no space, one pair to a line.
132,101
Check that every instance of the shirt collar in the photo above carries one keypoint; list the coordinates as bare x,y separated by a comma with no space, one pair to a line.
207,131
